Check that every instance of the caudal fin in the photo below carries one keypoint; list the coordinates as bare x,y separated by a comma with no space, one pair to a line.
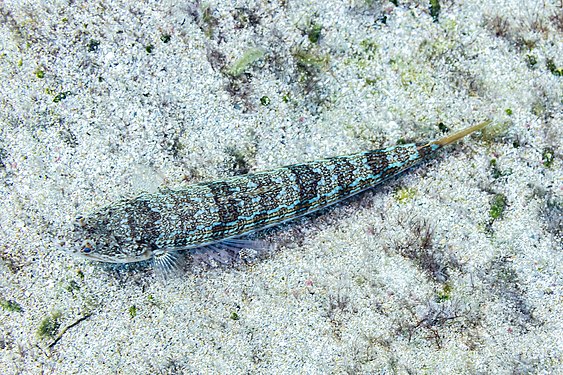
460,134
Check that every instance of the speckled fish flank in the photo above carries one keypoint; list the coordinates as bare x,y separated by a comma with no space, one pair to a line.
205,216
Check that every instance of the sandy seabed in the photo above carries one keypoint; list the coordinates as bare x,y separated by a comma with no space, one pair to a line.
455,267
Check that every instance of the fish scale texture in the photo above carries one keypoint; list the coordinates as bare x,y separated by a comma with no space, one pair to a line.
131,229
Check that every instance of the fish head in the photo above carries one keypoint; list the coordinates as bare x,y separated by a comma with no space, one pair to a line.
100,238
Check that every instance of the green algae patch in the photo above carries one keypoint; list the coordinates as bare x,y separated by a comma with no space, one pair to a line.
531,61
10,305
311,58
435,9
132,311
49,326
72,286
554,69
208,21
370,48
498,205
445,294
61,96
314,32
405,194
248,58
547,157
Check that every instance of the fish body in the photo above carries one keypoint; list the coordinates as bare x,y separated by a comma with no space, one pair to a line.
205,215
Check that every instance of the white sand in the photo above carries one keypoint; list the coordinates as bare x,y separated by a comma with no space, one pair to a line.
353,290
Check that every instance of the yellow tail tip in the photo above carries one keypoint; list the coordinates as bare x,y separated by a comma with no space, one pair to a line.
460,134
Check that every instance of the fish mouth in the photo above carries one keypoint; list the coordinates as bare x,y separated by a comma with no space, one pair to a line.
118,258
76,249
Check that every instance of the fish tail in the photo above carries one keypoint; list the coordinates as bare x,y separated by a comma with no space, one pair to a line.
460,134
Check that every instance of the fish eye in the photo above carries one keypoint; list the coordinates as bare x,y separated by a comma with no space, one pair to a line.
87,247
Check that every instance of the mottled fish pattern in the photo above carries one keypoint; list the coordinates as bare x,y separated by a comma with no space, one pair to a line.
158,224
